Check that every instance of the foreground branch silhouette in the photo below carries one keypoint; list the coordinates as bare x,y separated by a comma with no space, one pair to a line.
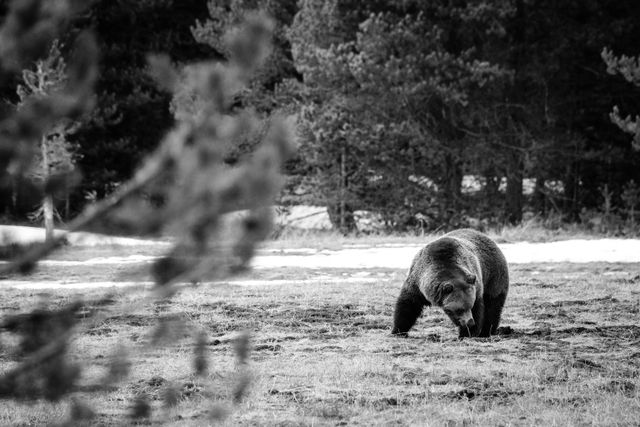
189,178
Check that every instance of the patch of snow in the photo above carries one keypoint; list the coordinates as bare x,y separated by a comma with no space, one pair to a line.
400,257
423,181
81,238
23,235
14,234
304,217
301,217
362,258
345,258
61,284
131,259
289,250
576,251
296,282
474,183
367,221
386,245
471,184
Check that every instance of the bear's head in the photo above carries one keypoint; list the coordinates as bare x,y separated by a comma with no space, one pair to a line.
458,296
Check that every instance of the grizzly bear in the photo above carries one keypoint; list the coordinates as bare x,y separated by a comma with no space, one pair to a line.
466,274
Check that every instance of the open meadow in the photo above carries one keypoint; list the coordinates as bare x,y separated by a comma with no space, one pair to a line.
321,351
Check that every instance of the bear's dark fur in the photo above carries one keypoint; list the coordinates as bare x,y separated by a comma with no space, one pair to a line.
465,273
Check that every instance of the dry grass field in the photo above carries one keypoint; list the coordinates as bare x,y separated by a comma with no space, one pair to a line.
321,353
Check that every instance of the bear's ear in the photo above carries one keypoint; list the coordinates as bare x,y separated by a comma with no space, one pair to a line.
470,279
447,288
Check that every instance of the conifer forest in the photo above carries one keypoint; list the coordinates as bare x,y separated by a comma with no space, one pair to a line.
429,115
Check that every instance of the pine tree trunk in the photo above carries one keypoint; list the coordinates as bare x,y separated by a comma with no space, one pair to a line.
515,175
517,61
340,210
47,210
571,206
47,203
453,182
14,194
539,197
343,185
451,187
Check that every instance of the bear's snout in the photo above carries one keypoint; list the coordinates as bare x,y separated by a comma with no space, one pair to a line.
469,323
466,320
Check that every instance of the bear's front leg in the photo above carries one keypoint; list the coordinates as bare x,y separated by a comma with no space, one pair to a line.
408,308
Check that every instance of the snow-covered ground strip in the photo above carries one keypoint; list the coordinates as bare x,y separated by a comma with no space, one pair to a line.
53,284
130,259
356,258
10,234
394,256
578,251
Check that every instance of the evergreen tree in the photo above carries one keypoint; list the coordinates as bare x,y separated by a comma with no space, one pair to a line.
260,93
55,156
131,113
389,87
629,68
225,14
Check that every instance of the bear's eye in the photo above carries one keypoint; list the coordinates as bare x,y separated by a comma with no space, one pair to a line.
454,313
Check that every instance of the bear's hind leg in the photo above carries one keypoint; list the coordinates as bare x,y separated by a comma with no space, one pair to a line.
493,311
408,308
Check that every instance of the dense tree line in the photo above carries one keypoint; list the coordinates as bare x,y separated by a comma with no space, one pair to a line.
432,114
415,95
